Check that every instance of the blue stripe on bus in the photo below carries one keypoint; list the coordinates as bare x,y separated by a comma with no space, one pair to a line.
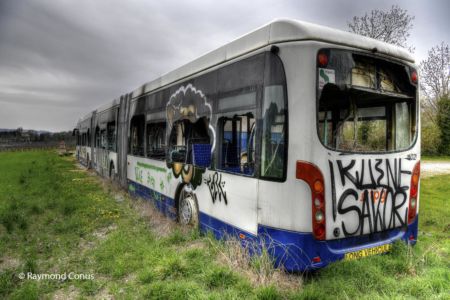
164,204
296,250
221,229
292,250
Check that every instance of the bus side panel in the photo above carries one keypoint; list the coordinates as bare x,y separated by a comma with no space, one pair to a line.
152,180
224,200
232,199
287,205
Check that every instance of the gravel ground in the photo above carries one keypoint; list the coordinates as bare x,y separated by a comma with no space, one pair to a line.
429,168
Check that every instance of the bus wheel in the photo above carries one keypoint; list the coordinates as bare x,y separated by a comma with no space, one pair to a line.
188,211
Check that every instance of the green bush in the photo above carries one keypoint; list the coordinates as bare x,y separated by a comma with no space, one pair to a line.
431,137
443,121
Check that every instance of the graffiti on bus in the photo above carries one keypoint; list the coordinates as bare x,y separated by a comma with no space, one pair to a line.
372,191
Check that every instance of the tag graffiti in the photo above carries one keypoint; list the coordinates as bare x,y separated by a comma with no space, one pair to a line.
216,186
372,192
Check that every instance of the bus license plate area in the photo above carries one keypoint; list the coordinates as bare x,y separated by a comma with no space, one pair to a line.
368,252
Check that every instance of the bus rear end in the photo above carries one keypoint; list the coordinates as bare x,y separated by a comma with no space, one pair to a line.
365,191
360,170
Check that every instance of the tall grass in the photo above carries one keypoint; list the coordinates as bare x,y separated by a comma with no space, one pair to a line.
56,217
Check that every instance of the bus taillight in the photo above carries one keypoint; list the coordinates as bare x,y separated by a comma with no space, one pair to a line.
322,58
414,189
313,177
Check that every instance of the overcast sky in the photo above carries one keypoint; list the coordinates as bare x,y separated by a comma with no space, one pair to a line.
61,59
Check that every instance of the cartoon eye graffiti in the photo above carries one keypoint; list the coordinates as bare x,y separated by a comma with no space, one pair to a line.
188,115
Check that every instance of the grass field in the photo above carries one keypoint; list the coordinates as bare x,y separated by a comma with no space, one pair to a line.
435,158
57,218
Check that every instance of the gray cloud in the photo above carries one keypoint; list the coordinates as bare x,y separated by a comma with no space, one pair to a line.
61,59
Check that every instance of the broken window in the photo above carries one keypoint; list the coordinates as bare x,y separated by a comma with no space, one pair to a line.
273,150
184,138
111,136
368,105
88,138
237,144
156,140
137,127
97,137
103,138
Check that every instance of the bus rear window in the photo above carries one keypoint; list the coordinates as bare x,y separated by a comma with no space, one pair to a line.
369,105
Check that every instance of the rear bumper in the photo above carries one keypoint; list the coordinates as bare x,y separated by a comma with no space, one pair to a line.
298,251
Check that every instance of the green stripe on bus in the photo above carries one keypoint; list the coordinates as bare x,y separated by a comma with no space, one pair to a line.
151,167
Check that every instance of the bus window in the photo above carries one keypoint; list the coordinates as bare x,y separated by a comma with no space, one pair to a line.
369,105
111,136
137,127
103,138
403,134
274,133
184,135
97,137
237,144
156,140
88,136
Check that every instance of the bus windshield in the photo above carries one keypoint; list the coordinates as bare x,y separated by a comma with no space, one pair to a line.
365,104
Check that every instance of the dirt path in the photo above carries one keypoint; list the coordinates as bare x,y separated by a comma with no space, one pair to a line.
430,168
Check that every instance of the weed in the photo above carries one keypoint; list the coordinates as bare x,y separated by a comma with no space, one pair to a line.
27,291
263,264
90,287
68,208
35,209
268,293
221,277
12,218
22,179
174,267
174,290
30,265
176,237
7,282
147,276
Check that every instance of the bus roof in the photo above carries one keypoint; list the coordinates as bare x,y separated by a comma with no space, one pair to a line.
277,31
107,106
100,109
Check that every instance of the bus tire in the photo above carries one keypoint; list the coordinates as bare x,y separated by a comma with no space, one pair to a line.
188,208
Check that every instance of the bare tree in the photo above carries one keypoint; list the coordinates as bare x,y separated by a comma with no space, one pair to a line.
391,26
435,78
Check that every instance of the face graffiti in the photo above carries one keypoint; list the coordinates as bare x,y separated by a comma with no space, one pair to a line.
187,104
371,193
216,187
188,173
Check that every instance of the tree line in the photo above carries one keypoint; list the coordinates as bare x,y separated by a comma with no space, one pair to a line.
394,26
13,138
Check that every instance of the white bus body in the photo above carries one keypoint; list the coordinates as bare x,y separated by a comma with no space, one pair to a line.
299,136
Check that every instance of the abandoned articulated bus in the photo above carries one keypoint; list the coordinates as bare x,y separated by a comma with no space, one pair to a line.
298,137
